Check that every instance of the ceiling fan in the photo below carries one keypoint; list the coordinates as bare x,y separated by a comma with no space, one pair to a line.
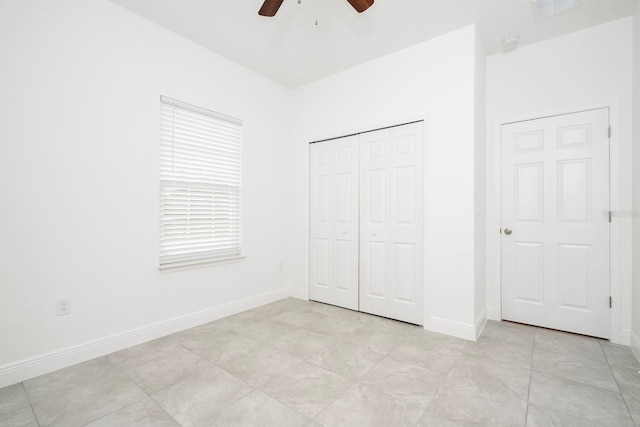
270,7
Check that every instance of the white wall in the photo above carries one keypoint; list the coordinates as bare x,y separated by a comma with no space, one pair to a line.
80,83
480,187
433,80
583,69
635,329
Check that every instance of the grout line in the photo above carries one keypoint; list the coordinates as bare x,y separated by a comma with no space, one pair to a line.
617,384
35,417
533,349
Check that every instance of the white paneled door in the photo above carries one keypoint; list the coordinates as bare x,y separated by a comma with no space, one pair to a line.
392,223
366,222
334,220
555,222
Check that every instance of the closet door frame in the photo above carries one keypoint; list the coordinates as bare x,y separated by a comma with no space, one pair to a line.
419,314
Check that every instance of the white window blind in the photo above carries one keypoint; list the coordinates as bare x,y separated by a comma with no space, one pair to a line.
200,174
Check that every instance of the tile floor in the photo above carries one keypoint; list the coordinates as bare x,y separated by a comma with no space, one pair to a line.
298,363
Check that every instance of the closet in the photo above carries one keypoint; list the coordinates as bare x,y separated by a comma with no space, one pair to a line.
367,222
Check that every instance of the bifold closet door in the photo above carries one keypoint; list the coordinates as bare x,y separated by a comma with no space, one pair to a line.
392,223
334,175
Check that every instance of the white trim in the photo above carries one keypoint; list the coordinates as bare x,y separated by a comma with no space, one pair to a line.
618,320
195,264
465,331
24,369
299,293
493,314
201,110
481,321
635,345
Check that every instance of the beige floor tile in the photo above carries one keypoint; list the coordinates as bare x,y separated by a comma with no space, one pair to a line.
22,417
431,419
307,388
221,347
594,404
620,356
301,343
543,417
257,410
87,401
482,392
339,325
142,353
53,384
240,320
566,366
261,365
12,398
494,348
298,318
410,383
372,340
571,344
629,381
170,368
363,406
197,398
292,360
145,413
460,407
265,330
347,360
427,354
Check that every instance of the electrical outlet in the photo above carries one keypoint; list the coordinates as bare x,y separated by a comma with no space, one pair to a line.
281,266
63,306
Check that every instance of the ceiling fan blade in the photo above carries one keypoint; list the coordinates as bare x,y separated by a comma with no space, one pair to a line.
270,7
361,5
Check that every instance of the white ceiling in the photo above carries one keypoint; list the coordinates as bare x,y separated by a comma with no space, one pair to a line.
292,50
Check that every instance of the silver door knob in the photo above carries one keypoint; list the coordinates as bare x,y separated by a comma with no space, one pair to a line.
508,231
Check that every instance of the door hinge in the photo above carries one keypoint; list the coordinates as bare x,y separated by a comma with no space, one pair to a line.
609,132
610,215
610,302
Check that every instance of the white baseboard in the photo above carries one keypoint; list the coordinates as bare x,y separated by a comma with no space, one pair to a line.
634,343
299,293
481,321
466,331
621,337
492,314
24,369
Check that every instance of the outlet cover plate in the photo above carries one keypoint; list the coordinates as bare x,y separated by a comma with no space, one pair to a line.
63,306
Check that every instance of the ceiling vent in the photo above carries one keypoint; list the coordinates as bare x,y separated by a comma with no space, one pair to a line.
543,9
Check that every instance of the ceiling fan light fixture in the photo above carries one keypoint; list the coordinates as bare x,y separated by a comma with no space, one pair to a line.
270,7
543,9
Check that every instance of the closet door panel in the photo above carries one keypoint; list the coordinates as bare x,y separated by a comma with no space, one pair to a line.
391,168
334,213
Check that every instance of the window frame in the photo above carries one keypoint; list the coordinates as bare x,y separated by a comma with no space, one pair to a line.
200,221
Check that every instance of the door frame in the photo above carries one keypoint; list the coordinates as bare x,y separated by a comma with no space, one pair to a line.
620,266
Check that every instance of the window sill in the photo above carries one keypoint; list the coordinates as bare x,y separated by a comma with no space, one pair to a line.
200,264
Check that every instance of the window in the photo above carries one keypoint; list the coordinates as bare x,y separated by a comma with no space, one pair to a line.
200,174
